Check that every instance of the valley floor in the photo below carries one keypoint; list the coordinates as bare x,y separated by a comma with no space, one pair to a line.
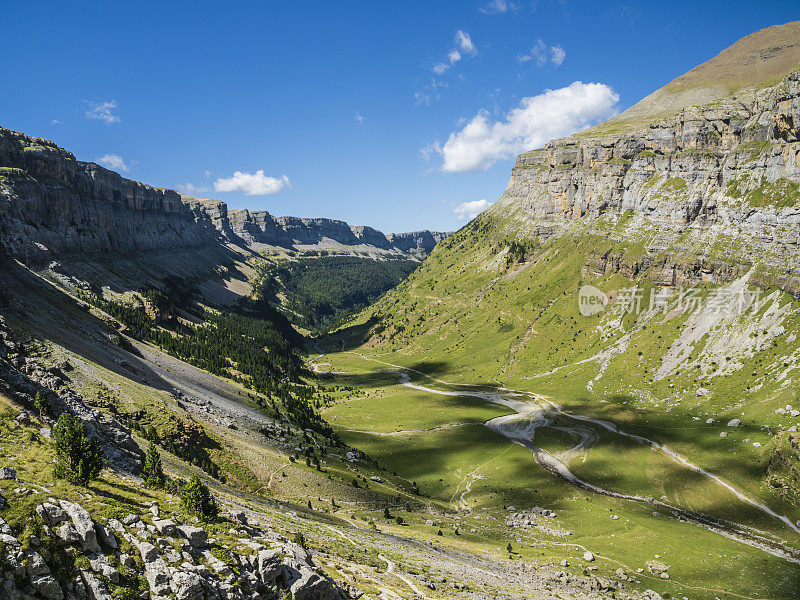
666,512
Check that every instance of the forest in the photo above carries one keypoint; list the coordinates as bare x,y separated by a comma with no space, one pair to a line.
322,292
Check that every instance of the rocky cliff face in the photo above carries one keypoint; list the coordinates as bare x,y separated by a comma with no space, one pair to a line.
708,193
260,227
52,205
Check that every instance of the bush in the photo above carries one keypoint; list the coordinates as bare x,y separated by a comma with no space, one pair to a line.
299,539
78,459
197,500
152,472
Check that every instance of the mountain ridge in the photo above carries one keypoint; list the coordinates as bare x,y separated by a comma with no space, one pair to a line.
55,205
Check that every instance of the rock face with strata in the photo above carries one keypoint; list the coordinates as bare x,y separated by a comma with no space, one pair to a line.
53,206
709,193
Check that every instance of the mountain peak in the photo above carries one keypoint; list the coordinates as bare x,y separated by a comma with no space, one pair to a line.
760,59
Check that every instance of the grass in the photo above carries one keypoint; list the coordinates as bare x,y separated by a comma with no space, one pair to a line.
466,316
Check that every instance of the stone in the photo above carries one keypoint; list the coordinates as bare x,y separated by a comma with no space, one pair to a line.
734,422
67,534
165,526
155,569
36,565
47,587
101,565
105,537
83,523
269,566
8,473
588,556
196,536
310,586
51,514
96,589
187,585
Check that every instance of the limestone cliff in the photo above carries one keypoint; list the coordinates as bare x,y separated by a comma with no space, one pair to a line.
709,192
52,206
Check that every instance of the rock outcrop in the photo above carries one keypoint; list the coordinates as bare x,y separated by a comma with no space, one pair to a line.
259,566
709,193
53,206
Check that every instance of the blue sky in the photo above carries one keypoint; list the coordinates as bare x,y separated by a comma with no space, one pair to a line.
402,115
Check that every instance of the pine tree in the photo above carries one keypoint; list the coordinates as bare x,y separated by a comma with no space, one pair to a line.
152,472
78,459
197,500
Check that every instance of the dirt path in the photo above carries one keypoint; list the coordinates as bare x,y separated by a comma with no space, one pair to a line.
520,428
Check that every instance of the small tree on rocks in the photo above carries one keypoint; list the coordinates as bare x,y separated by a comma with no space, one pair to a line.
197,500
152,472
78,459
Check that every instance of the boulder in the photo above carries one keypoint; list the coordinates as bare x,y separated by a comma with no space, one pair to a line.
734,422
101,565
187,585
95,589
196,536
105,537
165,526
269,566
310,586
588,556
67,534
155,569
8,473
36,566
83,523
51,514
47,587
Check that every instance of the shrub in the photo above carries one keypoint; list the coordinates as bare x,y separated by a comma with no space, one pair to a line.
42,405
197,500
299,539
78,459
152,472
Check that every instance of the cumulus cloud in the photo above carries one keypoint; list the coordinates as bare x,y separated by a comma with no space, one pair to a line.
360,119
496,7
466,211
252,184
541,53
103,111
113,161
537,119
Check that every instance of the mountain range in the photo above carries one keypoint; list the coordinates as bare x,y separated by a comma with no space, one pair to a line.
589,391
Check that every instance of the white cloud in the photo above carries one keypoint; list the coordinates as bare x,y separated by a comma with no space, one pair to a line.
537,120
103,111
360,119
190,188
466,211
497,7
56,122
465,42
252,184
464,46
113,161
557,55
542,54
